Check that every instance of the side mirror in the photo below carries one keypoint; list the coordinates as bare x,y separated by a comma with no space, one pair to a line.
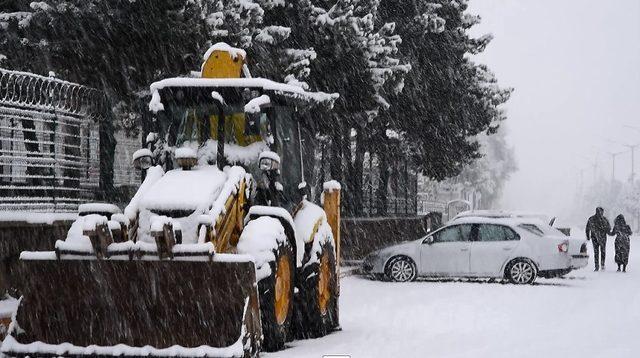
428,240
142,159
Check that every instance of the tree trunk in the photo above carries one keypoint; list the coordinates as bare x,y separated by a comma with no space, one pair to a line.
321,171
349,179
381,191
107,151
357,174
339,158
335,160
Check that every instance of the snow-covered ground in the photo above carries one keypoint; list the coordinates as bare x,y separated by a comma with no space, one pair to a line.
587,314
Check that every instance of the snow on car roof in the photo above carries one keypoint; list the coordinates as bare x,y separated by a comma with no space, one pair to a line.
503,214
509,221
512,221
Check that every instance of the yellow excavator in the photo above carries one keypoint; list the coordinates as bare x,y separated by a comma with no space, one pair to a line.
218,254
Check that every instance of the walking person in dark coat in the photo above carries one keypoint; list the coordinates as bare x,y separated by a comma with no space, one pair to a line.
622,232
597,229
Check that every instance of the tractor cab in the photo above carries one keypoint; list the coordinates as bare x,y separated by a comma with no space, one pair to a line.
249,122
230,130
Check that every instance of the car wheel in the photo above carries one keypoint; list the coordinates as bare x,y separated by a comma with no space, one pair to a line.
521,272
401,269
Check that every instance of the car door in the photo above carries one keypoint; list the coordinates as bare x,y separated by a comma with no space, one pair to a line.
491,246
446,252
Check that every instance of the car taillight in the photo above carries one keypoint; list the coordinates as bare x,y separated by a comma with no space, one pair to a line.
564,247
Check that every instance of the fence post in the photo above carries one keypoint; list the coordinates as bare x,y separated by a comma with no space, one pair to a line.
331,191
331,204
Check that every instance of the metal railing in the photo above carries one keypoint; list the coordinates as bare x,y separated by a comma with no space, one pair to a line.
49,142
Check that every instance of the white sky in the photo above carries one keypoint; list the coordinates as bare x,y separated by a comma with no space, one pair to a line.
575,67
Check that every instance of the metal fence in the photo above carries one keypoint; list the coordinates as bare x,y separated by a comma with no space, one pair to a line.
49,142
430,206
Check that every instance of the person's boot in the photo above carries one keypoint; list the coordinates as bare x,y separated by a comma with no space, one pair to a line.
618,268
596,270
624,268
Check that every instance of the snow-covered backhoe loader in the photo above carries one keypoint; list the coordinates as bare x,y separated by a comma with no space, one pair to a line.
218,254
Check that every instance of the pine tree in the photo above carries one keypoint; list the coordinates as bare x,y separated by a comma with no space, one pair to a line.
447,99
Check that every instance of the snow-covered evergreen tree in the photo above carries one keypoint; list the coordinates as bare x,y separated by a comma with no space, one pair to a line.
399,66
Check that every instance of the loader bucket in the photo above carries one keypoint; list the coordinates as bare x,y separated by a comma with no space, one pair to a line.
74,307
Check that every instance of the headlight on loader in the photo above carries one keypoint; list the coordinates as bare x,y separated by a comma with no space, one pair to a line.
142,159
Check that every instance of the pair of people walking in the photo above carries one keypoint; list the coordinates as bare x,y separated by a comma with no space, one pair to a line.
597,230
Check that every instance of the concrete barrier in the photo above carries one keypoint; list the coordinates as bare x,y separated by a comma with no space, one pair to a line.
17,236
360,236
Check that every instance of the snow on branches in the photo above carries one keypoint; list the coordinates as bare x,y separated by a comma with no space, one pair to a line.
354,25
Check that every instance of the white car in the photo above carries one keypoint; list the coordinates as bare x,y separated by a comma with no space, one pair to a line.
516,249
544,225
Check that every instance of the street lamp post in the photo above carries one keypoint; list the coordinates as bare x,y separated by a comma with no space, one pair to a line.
613,165
633,149
633,172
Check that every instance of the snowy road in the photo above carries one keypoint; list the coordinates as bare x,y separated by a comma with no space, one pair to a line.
589,314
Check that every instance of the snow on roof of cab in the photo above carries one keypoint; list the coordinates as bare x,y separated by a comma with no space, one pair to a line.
265,84
221,46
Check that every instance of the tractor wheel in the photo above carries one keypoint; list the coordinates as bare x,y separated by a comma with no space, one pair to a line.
320,293
276,299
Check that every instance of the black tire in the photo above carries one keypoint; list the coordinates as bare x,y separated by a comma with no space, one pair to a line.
318,303
521,271
401,269
275,329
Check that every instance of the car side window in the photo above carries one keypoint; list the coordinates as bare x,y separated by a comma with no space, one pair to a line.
465,232
492,232
510,234
450,234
